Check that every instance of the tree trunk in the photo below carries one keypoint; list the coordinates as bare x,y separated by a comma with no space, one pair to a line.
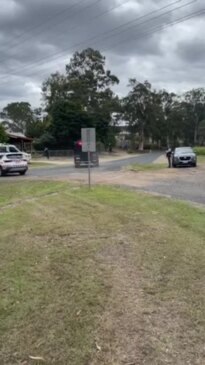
141,140
196,127
195,135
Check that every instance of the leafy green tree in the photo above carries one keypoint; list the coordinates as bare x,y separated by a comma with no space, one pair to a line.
138,109
46,140
3,135
81,97
88,79
67,120
39,124
195,105
55,89
20,114
165,127
201,133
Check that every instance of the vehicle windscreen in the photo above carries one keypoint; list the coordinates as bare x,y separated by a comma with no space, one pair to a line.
13,149
184,150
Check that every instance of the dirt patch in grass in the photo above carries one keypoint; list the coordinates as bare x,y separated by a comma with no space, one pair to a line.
105,277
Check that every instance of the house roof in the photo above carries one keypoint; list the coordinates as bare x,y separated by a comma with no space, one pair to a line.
19,136
11,134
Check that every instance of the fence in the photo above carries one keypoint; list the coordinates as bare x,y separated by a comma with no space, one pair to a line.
53,153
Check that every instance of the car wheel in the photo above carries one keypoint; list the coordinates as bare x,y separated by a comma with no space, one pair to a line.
174,165
195,164
23,172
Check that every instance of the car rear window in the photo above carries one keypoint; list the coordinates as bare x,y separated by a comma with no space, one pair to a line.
14,156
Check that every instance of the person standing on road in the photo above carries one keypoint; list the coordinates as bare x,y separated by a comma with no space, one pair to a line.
169,157
46,153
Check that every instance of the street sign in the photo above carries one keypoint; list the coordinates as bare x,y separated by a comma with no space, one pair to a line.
88,137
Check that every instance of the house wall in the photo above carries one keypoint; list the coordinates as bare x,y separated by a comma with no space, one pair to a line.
21,144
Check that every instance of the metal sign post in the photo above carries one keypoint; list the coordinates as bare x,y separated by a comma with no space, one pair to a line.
89,162
89,170
88,136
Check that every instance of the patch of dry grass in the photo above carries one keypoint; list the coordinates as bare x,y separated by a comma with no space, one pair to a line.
105,277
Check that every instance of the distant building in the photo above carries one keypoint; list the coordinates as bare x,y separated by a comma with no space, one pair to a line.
19,140
123,134
16,138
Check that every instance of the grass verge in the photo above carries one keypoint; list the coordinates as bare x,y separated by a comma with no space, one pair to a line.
201,159
101,277
147,167
34,164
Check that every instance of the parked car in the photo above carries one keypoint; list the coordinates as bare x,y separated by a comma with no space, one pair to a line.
9,148
184,156
13,162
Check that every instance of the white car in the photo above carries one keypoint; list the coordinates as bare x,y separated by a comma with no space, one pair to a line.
13,162
9,148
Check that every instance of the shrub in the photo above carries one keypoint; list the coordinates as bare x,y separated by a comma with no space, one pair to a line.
200,151
3,135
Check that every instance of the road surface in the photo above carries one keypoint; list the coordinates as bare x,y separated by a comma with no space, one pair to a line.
114,165
183,184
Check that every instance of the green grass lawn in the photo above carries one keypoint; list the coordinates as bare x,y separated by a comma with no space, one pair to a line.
201,159
103,277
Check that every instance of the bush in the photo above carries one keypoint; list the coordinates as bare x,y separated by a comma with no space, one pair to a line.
100,147
46,140
199,151
3,135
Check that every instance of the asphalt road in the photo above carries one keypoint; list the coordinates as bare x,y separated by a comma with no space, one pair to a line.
115,165
189,184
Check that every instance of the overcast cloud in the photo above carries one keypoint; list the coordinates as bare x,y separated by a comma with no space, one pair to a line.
37,37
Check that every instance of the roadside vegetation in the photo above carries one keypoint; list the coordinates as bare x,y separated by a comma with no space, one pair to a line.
43,164
200,151
101,277
148,167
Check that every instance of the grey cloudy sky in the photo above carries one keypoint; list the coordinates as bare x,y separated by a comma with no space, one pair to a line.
145,39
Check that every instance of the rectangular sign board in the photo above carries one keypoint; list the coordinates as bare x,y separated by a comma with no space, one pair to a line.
88,137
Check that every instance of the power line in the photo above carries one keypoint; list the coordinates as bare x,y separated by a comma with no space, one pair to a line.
108,32
56,23
154,18
45,22
91,19
157,29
